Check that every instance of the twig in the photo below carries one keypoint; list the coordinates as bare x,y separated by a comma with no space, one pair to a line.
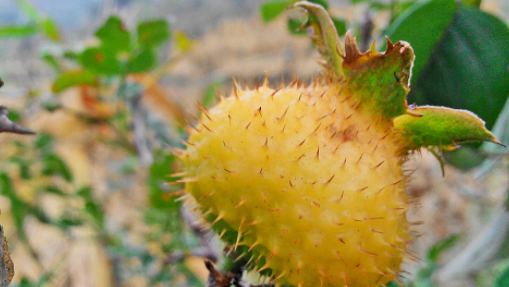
6,265
6,125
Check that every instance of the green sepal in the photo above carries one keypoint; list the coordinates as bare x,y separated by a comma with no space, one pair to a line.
440,127
379,81
325,37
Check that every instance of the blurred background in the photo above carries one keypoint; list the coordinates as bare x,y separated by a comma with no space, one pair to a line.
109,84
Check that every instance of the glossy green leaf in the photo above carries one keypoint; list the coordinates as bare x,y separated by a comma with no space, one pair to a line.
142,62
468,67
113,34
502,279
18,31
73,78
422,25
50,29
441,127
439,247
153,33
101,61
271,9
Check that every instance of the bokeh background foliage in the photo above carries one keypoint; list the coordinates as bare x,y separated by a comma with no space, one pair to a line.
84,202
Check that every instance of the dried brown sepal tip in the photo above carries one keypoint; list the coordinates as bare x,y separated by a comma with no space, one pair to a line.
216,278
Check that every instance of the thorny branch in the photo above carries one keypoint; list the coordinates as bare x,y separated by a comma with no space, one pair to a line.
6,125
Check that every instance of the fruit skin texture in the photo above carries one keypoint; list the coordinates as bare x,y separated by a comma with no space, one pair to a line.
311,180
307,182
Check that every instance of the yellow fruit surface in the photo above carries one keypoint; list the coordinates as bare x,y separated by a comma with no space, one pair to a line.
311,180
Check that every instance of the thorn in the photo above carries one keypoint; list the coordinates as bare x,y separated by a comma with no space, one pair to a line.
339,255
187,143
330,179
318,154
219,217
242,201
272,95
184,180
365,251
359,160
207,128
344,164
291,185
228,147
228,171
260,111
283,130
266,81
177,174
246,84
204,110
316,129
284,114
301,143
266,144
363,189
378,165
247,125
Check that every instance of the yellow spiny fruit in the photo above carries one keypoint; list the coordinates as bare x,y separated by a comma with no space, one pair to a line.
308,181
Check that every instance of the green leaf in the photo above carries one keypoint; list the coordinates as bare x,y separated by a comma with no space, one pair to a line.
153,33
29,10
94,210
421,30
271,9
441,127
86,192
23,165
439,247
18,31
468,67
502,279
142,61
50,29
14,115
74,78
54,165
51,61
55,190
113,34
100,60
44,142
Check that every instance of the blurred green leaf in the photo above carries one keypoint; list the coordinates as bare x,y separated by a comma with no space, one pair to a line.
54,165
18,31
340,25
73,78
502,279
422,31
271,9
464,158
50,29
94,210
55,190
44,142
322,3
23,165
14,115
100,60
142,62
50,105
153,33
182,41
51,61
435,250
29,10
66,223
294,25
468,67
114,35
85,192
